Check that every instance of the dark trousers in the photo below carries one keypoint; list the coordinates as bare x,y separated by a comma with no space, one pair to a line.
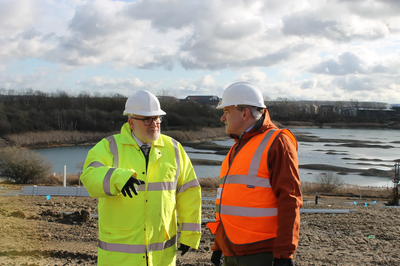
258,259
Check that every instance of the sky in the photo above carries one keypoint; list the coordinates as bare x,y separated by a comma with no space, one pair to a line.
337,50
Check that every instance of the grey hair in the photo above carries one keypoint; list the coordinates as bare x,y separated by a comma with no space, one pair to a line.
257,112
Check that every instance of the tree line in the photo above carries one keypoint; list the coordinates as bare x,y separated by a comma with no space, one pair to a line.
32,111
28,110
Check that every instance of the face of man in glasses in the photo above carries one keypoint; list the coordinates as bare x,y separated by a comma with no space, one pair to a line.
145,134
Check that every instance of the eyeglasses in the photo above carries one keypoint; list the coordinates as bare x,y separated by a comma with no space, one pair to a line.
149,120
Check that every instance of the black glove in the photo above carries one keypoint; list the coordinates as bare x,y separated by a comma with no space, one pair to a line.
283,262
183,248
216,257
129,186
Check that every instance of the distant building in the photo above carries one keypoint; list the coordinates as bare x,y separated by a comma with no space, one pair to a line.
375,113
396,108
348,111
309,109
210,100
326,110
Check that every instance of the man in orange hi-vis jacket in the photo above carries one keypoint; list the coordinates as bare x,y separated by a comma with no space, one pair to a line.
259,197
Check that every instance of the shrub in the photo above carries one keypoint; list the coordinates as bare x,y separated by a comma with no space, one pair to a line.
58,180
210,182
328,181
23,166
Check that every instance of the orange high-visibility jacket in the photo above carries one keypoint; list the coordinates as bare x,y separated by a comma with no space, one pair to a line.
246,206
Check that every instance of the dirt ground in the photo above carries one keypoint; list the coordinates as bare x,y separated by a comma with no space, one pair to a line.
35,230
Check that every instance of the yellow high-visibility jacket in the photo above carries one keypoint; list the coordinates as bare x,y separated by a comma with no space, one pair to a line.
131,228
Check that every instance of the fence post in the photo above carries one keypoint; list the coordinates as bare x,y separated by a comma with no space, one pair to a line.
65,175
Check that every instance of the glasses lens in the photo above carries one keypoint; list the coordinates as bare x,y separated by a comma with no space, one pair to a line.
149,121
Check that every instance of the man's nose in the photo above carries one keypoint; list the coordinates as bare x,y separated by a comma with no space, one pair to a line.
223,118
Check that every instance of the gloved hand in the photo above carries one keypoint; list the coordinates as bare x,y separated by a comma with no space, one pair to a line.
130,186
283,262
216,257
183,248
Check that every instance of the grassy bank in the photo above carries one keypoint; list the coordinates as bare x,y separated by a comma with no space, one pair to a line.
60,138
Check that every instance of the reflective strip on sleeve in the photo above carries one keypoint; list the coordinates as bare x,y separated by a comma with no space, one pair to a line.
126,248
245,180
162,245
106,181
178,165
113,150
256,160
95,164
190,184
246,211
191,227
122,247
158,186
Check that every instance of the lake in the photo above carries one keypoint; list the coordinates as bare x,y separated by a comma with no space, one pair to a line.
309,153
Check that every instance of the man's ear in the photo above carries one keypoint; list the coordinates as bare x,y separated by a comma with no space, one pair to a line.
130,121
246,114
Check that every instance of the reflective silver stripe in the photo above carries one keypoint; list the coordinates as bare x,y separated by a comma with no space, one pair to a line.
122,247
178,165
95,164
248,212
246,180
256,160
158,186
126,248
106,181
162,245
192,183
113,150
191,227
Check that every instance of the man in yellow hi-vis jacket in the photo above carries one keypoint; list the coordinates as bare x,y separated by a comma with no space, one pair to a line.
143,191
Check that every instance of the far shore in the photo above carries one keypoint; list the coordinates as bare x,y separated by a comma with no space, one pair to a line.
47,139
201,139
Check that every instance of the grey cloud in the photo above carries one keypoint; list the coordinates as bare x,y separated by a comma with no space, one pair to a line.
380,69
355,83
90,21
29,34
305,24
210,55
164,61
267,60
347,63
374,9
308,84
234,31
165,14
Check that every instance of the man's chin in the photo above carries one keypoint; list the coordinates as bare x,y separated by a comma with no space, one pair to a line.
154,136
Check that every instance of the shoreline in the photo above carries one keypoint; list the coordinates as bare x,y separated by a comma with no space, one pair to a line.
48,139
202,140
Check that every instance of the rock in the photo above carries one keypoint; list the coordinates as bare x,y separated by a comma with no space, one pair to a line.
18,214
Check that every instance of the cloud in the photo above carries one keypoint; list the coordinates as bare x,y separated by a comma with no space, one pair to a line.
302,49
346,63
353,27
350,63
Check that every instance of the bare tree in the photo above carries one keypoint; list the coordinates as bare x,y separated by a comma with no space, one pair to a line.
328,181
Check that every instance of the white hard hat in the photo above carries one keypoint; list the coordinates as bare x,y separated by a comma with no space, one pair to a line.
143,103
242,93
